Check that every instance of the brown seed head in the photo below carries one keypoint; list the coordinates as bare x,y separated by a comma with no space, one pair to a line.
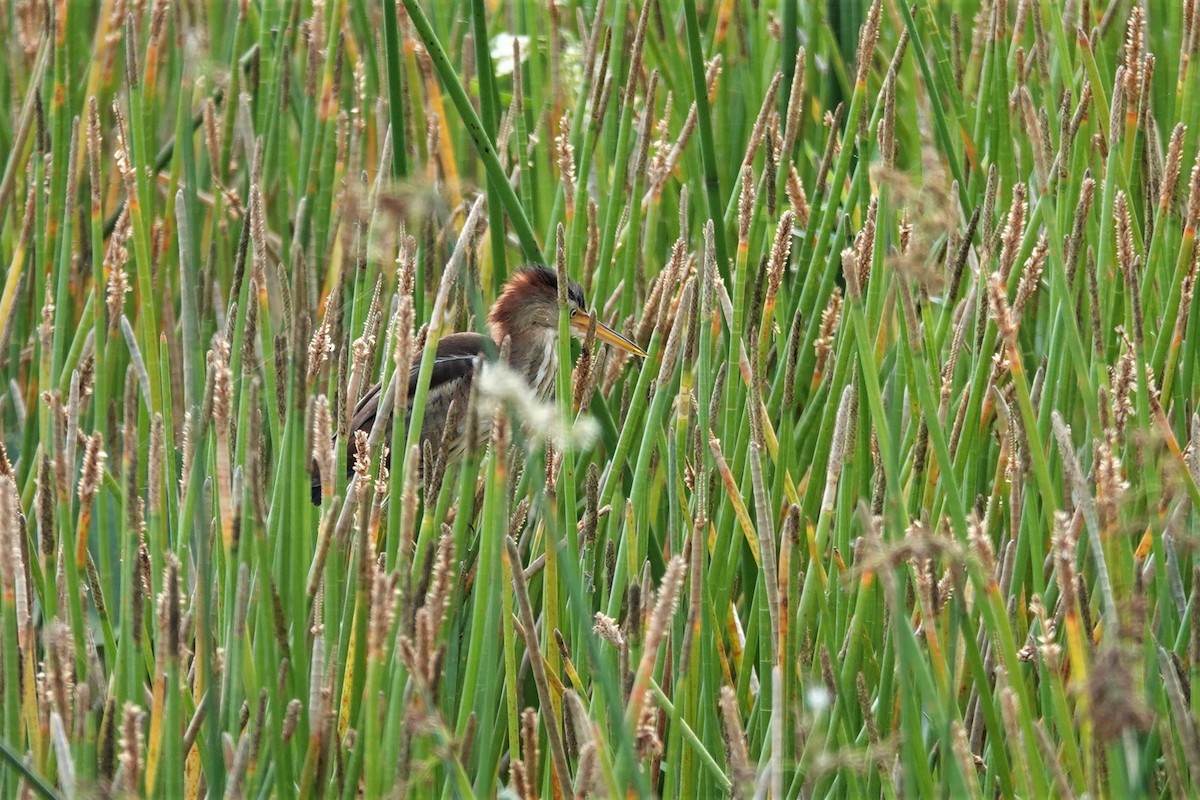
745,203
736,752
1192,220
131,744
850,273
1173,166
1014,229
1125,251
1001,312
1134,56
868,38
780,250
796,197
1031,277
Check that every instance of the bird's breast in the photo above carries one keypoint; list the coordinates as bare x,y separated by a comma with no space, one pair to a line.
543,367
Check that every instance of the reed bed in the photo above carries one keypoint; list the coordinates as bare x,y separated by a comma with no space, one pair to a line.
903,501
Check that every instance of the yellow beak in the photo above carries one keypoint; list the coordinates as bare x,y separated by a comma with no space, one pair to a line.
580,322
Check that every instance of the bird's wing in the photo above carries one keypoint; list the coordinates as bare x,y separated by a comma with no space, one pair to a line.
454,361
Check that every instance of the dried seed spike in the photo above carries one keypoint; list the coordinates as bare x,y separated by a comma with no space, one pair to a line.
1074,244
599,107
841,444
158,23
1191,27
780,251
635,58
408,510
582,374
1185,298
576,721
642,150
222,381
258,223
291,718
12,562
1093,287
1192,219
797,197
1043,149
169,605
321,426
760,122
647,743
866,243
320,347
1085,100
850,273
679,329
1129,265
212,137
131,745
1134,61
1031,276
560,263
823,344
1001,312
1014,229
1173,166
754,320
989,207
1123,379
832,121
45,511
795,341
592,251
998,30
736,751
745,204
154,466
956,345
565,160
960,256
94,152
529,740
956,48
1120,99
656,172
791,128
519,780
660,618
1063,545
131,65
887,124
868,38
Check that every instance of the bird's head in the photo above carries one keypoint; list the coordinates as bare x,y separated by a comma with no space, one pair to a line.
528,305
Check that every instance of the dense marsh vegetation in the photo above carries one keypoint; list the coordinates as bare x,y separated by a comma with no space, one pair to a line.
903,501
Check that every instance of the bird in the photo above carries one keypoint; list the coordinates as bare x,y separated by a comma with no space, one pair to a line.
526,314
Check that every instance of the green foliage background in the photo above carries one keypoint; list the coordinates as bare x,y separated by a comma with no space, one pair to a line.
902,502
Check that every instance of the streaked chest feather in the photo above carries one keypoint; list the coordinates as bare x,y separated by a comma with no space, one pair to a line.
544,367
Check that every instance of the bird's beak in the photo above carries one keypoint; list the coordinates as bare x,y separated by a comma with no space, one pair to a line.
580,322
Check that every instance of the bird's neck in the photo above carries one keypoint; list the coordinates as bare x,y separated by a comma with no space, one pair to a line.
534,355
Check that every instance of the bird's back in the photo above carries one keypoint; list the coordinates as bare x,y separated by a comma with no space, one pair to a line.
453,370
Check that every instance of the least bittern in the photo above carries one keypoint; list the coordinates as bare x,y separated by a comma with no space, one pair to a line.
526,314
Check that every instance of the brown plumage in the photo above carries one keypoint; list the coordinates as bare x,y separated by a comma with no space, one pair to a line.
526,314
